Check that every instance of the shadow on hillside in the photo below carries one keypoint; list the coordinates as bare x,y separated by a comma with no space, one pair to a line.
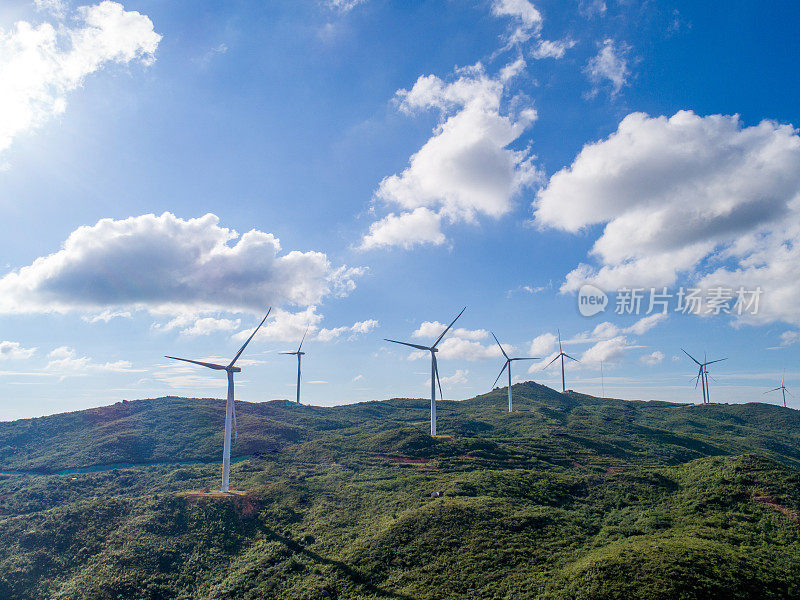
354,575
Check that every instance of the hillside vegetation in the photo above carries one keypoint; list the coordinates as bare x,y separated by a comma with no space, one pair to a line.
570,497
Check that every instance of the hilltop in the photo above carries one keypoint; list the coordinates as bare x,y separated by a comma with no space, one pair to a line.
570,496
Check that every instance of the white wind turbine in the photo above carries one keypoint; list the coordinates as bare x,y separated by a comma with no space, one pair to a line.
230,406
434,368
702,374
508,364
782,388
561,354
299,357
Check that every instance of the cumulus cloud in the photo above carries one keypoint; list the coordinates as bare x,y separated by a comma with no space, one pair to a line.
543,344
680,195
457,378
433,329
356,329
606,351
209,325
609,65
14,350
653,358
406,230
41,64
168,265
467,169
65,362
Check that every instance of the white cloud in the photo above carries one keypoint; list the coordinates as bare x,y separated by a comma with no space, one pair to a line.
789,338
167,265
420,226
433,329
609,65
344,5
460,343
522,10
645,324
653,358
57,8
543,344
13,350
684,193
284,325
106,315
606,351
553,48
41,64
209,325
457,378
356,329
65,362
466,169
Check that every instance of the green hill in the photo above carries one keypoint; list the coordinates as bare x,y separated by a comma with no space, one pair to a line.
569,497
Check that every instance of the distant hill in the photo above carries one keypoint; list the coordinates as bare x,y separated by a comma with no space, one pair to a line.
570,496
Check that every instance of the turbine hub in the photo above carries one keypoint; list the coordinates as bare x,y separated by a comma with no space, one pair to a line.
234,369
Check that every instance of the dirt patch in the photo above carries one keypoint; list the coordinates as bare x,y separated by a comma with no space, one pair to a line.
772,503
244,501
404,460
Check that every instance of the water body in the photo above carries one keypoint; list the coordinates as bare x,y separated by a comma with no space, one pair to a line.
112,466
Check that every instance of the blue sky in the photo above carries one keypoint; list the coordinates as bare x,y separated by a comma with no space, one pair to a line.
411,158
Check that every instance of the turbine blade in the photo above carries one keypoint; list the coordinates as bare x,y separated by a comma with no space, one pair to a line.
500,374
568,356
552,361
292,353
498,343
711,362
417,346
559,341
239,353
525,358
197,362
235,430
438,381
303,340
439,339
775,390
690,356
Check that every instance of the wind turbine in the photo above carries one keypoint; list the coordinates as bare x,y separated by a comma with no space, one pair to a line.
508,364
782,388
299,355
434,368
702,374
230,406
561,355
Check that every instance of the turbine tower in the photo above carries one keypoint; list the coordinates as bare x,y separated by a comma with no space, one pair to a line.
230,406
299,355
782,388
434,368
508,364
702,374
561,355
